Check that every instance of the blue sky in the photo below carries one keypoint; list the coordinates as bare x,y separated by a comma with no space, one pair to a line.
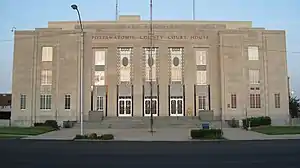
29,14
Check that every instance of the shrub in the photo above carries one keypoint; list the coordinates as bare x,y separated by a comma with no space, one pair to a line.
81,136
206,134
233,123
68,124
256,121
51,123
39,124
107,137
93,136
78,137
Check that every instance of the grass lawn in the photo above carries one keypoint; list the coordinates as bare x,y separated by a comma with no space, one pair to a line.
8,136
24,130
277,130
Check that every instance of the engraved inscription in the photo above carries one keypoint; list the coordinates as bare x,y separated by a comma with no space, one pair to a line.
106,37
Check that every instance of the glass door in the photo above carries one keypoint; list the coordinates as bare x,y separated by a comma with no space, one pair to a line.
125,107
176,107
147,107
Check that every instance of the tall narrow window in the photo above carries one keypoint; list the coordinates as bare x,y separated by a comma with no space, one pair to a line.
46,77
277,100
201,57
67,102
47,53
99,78
176,63
255,101
201,78
202,102
254,76
253,53
233,101
100,57
45,102
22,102
125,63
150,61
100,103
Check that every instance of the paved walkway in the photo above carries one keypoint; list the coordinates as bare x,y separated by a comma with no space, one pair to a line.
240,134
163,134
172,134
62,134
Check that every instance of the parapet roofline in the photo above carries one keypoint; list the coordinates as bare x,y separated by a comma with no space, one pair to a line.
147,21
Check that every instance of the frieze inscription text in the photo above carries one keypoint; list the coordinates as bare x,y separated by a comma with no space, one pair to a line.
104,37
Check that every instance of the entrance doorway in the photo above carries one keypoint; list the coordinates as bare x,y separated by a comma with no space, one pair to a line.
176,107
100,104
147,107
125,108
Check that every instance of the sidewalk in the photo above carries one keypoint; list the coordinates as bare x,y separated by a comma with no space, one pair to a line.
162,134
165,134
240,134
62,134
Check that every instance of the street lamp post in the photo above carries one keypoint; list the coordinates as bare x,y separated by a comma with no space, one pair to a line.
75,7
151,66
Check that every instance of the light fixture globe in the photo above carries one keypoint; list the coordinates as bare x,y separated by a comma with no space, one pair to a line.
74,7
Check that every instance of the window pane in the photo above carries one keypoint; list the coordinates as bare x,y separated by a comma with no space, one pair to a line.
45,102
147,107
67,102
201,57
173,106
23,102
47,53
99,78
176,55
252,101
125,63
277,100
233,101
257,100
100,57
128,107
41,102
254,76
100,103
49,102
179,106
125,75
147,73
46,77
122,106
176,74
154,110
253,53
201,78
202,102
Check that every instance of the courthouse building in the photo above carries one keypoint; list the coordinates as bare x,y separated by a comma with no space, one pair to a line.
222,69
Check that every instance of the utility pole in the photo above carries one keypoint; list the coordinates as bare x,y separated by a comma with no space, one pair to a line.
75,7
151,66
117,9
194,10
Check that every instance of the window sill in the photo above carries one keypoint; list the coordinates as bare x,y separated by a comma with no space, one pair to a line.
45,110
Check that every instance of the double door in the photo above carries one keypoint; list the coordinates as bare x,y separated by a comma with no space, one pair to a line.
147,107
125,107
176,107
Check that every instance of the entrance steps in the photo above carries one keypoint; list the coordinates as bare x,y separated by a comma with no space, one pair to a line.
144,123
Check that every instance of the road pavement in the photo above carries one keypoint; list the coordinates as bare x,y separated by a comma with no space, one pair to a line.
245,154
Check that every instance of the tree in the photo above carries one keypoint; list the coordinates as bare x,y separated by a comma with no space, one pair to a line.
294,107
